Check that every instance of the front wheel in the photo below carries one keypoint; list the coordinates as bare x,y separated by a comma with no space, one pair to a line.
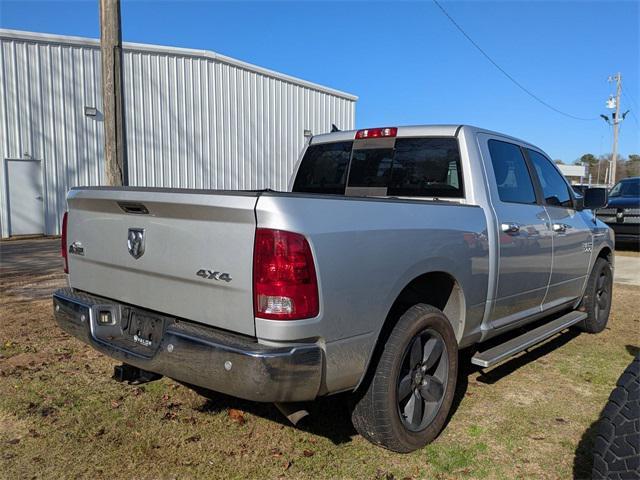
597,297
405,404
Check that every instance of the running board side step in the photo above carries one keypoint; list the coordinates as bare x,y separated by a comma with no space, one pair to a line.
509,348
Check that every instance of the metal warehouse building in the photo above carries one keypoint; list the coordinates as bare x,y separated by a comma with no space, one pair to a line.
194,119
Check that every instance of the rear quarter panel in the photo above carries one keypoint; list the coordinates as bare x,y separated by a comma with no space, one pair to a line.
366,251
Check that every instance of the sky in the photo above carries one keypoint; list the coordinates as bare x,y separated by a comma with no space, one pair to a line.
406,61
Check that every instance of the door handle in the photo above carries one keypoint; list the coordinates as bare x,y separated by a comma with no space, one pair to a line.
39,197
510,228
560,227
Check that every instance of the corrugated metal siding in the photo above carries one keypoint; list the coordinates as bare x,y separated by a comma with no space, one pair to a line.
194,119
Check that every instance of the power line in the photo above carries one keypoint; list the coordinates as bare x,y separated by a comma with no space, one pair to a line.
505,73
629,97
624,92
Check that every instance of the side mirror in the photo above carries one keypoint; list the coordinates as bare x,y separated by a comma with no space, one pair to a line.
595,198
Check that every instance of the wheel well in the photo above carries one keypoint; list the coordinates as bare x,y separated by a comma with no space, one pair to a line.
435,288
438,289
606,253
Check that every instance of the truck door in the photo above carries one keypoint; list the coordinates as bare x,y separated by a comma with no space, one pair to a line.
523,234
571,234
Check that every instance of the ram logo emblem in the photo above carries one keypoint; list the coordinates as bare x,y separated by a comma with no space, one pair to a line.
135,242
213,275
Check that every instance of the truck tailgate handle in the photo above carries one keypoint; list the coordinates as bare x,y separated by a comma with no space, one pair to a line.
510,228
134,208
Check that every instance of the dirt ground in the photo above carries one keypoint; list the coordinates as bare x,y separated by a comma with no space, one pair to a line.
62,416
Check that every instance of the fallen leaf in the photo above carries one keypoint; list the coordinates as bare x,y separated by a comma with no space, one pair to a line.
193,438
101,431
114,404
13,441
561,420
236,415
308,453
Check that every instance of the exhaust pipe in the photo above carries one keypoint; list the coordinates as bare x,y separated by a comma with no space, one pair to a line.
293,411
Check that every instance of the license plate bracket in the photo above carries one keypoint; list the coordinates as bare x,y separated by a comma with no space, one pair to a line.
132,329
143,329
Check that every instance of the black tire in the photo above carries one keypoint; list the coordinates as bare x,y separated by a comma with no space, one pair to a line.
597,297
423,336
617,443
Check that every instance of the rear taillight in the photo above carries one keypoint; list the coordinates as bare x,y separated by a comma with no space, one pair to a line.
376,133
284,277
63,243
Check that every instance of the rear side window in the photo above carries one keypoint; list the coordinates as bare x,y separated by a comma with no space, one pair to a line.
324,168
554,188
511,173
426,167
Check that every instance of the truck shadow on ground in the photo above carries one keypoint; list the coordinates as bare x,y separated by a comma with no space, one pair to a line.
330,417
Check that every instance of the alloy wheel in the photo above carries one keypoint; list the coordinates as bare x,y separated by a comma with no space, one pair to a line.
422,383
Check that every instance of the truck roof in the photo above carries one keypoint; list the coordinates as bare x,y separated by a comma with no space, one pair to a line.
446,130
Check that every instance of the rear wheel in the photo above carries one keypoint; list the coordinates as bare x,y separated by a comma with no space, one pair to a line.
597,297
406,402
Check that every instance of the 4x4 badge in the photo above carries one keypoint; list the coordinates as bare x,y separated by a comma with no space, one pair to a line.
135,242
214,275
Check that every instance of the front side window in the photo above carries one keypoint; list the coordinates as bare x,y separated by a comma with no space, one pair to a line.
554,187
511,173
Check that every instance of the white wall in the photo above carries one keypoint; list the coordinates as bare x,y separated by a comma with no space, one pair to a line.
573,170
194,118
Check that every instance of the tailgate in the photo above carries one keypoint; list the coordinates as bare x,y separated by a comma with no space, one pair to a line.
181,252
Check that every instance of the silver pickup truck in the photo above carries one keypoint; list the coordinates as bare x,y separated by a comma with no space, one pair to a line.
393,249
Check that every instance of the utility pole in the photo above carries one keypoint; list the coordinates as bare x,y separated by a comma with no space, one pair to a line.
616,122
115,152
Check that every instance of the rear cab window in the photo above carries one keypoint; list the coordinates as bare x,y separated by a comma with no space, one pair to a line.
398,167
324,169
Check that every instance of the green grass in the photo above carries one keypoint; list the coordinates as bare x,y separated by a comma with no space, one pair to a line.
61,416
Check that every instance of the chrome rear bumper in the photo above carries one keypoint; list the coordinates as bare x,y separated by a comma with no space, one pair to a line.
197,354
